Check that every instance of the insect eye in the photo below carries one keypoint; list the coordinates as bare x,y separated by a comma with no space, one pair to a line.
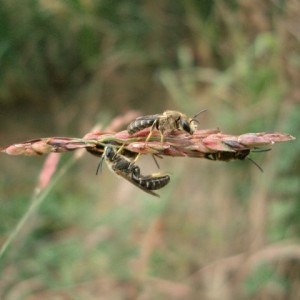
108,152
186,126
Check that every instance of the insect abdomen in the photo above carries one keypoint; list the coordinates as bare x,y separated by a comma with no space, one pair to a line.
140,124
153,182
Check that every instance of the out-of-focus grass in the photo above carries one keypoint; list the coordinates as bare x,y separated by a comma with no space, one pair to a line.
71,62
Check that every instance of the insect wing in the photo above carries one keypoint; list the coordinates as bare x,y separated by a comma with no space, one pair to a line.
135,183
148,118
142,122
126,174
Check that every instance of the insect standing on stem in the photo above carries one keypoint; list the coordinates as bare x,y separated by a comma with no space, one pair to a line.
123,166
168,121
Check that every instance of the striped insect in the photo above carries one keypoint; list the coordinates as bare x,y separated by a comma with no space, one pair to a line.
154,181
170,120
124,167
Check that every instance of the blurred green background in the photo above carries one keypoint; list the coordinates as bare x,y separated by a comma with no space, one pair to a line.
219,231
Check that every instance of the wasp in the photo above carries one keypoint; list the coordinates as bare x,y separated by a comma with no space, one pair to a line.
168,121
124,167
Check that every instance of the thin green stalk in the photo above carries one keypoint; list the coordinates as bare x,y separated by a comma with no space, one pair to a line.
37,198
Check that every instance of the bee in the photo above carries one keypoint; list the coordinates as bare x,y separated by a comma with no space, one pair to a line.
236,155
168,121
124,167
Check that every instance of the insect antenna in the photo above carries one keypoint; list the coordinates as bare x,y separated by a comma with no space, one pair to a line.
197,114
256,164
262,150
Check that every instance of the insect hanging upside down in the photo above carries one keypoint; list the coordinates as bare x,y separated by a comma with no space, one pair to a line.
124,167
168,121
235,155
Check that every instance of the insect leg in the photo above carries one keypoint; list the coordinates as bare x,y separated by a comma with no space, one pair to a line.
147,139
156,162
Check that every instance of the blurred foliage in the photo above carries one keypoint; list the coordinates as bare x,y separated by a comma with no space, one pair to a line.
263,277
66,64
